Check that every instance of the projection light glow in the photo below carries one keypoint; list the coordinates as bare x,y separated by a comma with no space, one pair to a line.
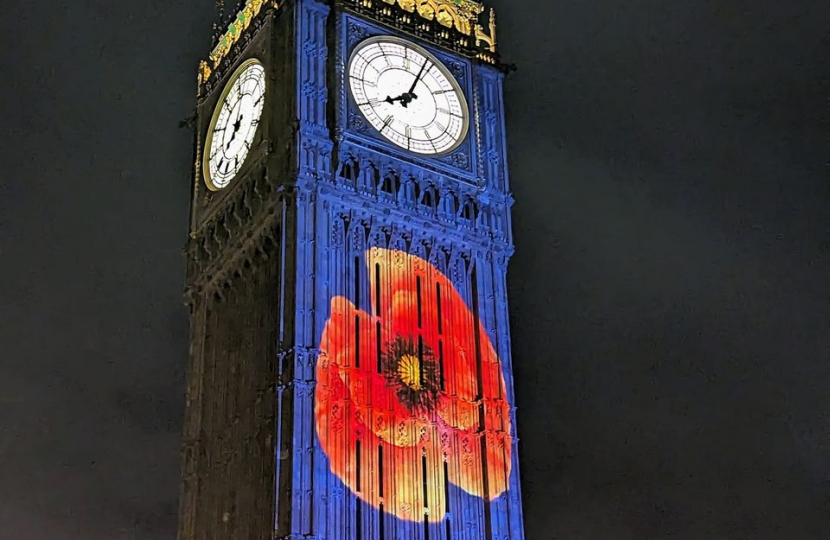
410,398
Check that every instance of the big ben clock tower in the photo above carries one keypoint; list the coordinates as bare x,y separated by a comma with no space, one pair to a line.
350,370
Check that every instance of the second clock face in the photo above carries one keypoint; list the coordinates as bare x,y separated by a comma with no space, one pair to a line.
234,125
408,95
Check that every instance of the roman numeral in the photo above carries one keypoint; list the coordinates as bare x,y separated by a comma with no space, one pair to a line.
364,81
389,120
385,58
445,111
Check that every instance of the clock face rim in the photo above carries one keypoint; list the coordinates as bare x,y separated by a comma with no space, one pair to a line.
237,73
459,91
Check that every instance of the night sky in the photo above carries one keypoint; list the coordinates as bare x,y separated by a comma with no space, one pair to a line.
670,301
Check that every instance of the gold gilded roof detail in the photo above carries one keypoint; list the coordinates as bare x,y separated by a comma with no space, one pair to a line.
236,27
463,15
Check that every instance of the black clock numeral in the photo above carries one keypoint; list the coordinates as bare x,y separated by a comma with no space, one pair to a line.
388,121
445,111
372,103
385,58
366,82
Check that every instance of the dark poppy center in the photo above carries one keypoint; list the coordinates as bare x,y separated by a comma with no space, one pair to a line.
410,369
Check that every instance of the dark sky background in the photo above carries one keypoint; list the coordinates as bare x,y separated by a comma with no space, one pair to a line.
670,299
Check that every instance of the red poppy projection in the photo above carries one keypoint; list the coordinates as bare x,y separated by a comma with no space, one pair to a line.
411,397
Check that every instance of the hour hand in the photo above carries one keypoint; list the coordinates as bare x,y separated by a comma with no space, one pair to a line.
405,99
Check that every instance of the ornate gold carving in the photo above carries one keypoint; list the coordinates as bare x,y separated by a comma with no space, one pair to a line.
463,15
235,28
204,72
490,39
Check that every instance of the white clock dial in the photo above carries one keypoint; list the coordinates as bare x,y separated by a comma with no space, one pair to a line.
234,125
408,95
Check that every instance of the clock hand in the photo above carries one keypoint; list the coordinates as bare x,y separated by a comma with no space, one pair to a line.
407,97
415,83
390,100
236,127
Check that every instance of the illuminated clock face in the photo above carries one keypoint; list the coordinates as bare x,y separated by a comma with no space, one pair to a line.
234,125
408,95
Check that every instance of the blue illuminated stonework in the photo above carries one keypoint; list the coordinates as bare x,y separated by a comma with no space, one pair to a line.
322,197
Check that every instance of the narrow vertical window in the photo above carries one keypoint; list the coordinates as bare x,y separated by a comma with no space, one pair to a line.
359,503
357,281
424,480
426,526
421,371
378,346
476,327
357,341
441,378
381,523
357,465
418,289
447,487
377,289
438,304
358,520
380,470
449,529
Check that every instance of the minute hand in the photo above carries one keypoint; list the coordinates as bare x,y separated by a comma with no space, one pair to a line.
418,78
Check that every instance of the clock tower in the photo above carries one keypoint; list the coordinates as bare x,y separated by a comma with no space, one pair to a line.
350,371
